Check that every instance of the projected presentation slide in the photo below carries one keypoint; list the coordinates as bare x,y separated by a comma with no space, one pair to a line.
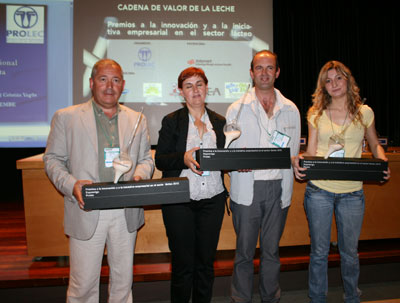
23,60
23,65
154,40
35,72
144,82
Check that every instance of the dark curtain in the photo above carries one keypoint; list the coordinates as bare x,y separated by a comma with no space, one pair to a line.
363,35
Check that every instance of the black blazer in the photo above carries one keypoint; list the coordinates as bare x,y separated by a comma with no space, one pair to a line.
172,140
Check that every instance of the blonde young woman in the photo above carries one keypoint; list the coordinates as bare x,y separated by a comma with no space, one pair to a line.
336,106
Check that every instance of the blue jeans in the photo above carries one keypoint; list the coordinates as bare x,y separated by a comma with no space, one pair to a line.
319,205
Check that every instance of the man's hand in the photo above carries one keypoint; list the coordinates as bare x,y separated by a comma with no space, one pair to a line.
77,191
386,172
137,178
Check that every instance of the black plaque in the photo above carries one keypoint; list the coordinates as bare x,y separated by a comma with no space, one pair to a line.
136,193
243,158
355,169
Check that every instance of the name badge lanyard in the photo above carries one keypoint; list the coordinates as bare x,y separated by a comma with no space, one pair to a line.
270,135
106,135
277,138
205,173
344,128
110,152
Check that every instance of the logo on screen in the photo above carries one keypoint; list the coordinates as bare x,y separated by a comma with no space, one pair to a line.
144,54
175,90
213,91
25,17
25,24
152,89
235,90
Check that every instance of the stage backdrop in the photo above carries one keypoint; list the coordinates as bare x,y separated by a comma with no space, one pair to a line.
156,39
363,35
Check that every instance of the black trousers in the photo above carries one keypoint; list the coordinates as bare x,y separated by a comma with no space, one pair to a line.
193,232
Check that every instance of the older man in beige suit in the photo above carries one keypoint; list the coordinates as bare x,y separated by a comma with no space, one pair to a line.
82,142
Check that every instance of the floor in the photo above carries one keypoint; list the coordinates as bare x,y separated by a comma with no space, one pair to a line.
378,282
26,279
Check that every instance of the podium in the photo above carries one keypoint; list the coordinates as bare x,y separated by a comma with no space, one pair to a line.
44,208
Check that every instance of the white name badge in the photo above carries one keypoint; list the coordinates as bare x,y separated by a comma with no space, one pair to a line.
337,154
205,174
109,154
280,139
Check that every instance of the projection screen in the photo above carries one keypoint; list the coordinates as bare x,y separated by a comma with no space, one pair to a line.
155,40
48,47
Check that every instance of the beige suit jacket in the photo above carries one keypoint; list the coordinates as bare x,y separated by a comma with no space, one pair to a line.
71,154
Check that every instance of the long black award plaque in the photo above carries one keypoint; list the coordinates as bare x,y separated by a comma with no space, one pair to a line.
243,158
355,169
136,193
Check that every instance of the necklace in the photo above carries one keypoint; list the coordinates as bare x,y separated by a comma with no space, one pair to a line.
342,128
202,130
105,132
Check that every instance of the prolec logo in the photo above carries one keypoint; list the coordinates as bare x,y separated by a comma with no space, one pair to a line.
25,24
144,55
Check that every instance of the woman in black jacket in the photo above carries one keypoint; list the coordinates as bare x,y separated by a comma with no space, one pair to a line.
192,228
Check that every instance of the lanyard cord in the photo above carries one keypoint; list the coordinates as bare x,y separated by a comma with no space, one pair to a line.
268,119
354,116
203,120
342,128
106,135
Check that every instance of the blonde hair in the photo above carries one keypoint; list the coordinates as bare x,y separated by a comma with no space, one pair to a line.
321,99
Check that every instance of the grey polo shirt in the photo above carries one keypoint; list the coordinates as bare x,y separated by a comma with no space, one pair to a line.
107,139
